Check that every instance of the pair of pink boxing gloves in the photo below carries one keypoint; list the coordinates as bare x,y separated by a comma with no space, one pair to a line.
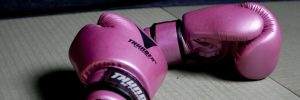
118,61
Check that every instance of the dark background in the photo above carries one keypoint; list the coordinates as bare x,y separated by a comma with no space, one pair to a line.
14,8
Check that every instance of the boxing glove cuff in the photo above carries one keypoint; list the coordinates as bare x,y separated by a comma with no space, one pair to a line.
168,36
117,81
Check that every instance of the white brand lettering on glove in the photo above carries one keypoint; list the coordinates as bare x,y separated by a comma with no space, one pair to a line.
129,83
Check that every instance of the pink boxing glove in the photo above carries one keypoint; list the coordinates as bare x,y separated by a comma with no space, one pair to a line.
117,61
246,32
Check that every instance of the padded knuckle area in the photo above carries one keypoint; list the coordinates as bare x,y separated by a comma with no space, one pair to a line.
270,23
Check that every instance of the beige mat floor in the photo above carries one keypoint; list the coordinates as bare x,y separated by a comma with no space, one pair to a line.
33,58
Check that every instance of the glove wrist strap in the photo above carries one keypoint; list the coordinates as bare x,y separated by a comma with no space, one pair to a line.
168,36
120,82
